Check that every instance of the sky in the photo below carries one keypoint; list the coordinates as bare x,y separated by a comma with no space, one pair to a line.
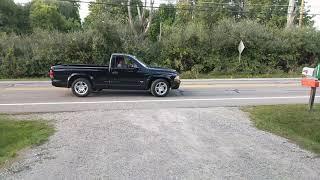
84,10
312,5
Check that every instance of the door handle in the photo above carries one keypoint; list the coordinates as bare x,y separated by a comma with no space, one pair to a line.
115,72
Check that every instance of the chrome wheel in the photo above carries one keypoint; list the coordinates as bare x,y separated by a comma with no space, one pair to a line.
81,88
161,88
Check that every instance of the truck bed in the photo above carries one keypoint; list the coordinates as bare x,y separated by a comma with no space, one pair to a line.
80,66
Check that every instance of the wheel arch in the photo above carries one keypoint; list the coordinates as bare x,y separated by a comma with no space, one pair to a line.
75,76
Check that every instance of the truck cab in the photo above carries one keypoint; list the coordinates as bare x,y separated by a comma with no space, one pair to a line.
127,72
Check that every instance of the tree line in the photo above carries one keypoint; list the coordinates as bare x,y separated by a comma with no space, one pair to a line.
192,36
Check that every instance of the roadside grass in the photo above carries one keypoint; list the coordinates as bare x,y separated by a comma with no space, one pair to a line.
18,134
293,122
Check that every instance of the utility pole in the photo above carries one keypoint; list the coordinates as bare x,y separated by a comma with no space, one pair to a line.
291,13
301,13
160,33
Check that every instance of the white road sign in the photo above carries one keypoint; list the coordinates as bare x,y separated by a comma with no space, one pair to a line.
241,47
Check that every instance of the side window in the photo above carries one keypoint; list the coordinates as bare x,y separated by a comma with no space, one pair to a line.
118,62
123,62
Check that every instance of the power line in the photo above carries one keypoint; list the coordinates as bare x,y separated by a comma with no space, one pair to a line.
263,5
193,8
156,7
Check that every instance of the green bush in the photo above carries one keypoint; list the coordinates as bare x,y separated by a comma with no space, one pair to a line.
192,48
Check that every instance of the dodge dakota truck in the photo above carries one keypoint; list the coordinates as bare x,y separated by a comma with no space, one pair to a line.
123,72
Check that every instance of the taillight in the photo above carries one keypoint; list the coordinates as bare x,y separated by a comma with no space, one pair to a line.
51,74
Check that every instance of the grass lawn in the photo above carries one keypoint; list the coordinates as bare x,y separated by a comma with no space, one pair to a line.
16,135
293,122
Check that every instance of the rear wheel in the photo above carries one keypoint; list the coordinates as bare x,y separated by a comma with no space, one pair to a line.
81,87
160,88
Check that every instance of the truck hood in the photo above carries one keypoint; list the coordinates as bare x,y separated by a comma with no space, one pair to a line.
159,69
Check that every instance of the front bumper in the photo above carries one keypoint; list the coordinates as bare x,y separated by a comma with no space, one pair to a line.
175,84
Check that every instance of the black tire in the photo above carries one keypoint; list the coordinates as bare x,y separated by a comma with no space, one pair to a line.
77,88
157,91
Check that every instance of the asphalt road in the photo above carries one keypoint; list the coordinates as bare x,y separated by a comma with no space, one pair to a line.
40,96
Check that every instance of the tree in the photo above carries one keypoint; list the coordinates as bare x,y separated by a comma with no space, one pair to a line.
8,11
292,11
14,18
70,10
184,11
144,20
110,10
276,13
268,12
208,12
23,24
48,15
163,17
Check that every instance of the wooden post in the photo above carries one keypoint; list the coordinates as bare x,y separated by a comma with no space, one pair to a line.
313,84
312,97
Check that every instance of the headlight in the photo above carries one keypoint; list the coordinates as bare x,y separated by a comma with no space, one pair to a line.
177,78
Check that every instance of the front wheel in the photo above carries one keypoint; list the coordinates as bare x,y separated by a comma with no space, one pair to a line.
81,87
160,88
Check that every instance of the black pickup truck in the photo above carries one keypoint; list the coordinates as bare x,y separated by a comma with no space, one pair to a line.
123,72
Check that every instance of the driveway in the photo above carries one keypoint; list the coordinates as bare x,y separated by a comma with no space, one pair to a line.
175,143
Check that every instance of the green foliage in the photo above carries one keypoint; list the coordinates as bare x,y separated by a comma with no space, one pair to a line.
184,12
210,12
273,13
111,10
165,16
32,55
44,14
14,18
16,135
196,38
48,15
294,122
192,48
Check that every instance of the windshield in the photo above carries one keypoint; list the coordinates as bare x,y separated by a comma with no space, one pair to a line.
140,61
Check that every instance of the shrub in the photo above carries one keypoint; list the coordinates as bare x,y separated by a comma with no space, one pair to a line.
191,48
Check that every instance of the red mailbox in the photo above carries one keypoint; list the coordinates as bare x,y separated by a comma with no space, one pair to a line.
310,82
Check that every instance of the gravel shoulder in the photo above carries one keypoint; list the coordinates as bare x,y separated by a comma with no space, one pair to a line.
179,143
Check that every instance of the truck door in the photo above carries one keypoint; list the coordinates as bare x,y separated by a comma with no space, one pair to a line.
127,74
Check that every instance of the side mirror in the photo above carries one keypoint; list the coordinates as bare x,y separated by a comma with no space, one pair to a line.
135,69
